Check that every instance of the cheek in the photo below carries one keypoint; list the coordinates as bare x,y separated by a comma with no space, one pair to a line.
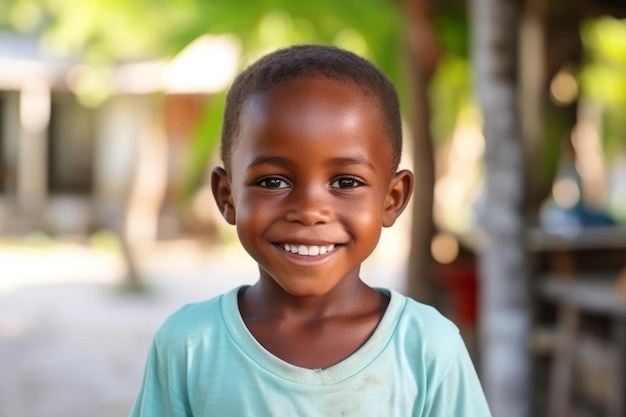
248,216
249,228
368,222
365,218
256,206
367,207
252,217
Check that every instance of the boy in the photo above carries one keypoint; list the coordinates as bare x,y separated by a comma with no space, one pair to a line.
311,143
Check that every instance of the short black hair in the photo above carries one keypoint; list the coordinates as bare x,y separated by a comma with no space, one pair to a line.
308,61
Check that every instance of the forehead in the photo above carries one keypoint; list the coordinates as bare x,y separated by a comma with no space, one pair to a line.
315,99
301,116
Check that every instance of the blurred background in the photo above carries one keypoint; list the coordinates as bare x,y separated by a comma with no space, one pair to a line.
515,126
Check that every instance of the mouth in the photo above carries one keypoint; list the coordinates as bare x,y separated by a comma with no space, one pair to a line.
307,250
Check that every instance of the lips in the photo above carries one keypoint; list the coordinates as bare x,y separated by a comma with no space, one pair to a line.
307,250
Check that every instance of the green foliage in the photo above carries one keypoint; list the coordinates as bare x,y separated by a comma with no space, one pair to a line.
451,87
450,93
203,145
614,135
603,77
453,33
107,31
556,131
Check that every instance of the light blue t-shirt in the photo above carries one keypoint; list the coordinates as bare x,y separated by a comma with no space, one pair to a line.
204,362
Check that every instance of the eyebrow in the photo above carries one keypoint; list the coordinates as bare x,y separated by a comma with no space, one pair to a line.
339,161
271,160
358,160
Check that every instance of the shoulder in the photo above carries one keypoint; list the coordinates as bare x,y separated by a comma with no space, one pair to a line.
427,334
424,321
198,320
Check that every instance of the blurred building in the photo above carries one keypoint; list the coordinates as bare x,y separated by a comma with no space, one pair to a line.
76,147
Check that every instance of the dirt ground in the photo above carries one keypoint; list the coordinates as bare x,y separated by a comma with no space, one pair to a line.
72,344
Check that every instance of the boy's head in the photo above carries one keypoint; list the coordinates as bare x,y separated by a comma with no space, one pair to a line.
311,144
309,61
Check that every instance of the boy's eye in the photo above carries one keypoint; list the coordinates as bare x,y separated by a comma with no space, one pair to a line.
273,182
346,182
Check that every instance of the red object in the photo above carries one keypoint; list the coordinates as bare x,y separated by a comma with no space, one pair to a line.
461,280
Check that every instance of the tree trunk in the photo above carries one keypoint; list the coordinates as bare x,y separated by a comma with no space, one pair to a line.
533,67
423,56
504,299
140,222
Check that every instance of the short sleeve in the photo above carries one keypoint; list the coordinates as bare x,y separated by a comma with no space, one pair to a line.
459,393
156,397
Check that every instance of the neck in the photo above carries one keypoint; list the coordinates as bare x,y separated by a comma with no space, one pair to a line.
267,299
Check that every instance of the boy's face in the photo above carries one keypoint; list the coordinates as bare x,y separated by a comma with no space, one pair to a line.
312,174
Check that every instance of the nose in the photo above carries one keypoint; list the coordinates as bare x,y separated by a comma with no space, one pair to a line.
309,206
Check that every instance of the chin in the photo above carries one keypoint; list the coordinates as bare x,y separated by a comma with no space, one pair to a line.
305,287
303,280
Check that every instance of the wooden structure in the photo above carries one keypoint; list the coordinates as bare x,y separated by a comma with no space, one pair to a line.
580,275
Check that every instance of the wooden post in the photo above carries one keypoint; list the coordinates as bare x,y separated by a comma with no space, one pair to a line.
32,183
504,324
560,383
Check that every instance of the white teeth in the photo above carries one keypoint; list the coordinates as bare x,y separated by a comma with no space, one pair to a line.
308,250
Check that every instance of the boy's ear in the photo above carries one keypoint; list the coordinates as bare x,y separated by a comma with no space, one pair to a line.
222,192
398,195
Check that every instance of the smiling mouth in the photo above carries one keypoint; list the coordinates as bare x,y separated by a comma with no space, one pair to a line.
307,250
